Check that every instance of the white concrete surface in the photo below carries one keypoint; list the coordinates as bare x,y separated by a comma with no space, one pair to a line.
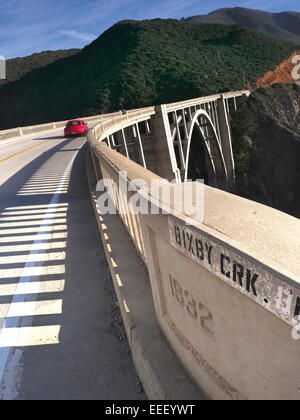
226,287
58,335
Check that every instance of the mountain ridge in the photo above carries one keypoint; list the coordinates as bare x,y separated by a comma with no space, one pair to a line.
282,25
18,67
141,63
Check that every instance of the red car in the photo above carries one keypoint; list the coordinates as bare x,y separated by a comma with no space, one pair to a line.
76,128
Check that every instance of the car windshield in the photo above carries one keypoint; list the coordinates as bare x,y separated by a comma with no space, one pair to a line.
73,123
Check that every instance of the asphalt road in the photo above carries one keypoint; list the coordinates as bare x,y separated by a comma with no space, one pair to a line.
60,334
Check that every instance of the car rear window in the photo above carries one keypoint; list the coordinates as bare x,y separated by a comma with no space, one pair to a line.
73,123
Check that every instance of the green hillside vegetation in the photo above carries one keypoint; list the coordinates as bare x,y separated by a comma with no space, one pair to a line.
136,64
16,68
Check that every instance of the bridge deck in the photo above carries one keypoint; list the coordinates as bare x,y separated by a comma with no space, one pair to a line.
59,333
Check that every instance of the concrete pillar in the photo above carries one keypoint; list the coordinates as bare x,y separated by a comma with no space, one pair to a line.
134,144
122,143
226,140
163,145
140,147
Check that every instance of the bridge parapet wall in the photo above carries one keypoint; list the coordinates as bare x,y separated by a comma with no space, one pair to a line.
19,132
225,286
226,295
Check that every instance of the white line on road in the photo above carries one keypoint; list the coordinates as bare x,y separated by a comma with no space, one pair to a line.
14,322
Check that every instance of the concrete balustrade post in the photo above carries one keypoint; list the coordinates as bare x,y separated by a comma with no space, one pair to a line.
224,280
163,145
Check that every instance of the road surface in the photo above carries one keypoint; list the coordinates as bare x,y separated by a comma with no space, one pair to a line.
59,334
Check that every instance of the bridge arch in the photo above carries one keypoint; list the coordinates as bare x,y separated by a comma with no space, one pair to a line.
204,156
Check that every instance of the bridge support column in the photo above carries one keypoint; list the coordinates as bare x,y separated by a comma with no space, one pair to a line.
226,140
163,145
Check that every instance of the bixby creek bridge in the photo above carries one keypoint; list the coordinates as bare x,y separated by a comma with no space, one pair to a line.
208,289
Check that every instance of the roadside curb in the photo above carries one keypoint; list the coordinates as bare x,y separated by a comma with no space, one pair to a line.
161,373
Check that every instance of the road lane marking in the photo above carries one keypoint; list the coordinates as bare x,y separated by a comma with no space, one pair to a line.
25,150
16,335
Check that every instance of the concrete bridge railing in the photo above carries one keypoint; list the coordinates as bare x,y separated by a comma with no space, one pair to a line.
224,271
19,132
163,138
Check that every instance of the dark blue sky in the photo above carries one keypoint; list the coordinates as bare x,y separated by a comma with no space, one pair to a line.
28,26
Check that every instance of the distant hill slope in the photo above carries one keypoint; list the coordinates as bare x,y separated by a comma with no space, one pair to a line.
18,67
273,173
135,64
284,25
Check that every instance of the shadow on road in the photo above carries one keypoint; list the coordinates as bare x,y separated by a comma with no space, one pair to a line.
59,327
50,138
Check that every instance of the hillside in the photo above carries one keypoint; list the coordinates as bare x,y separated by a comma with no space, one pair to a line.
284,25
135,64
16,68
281,74
267,148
